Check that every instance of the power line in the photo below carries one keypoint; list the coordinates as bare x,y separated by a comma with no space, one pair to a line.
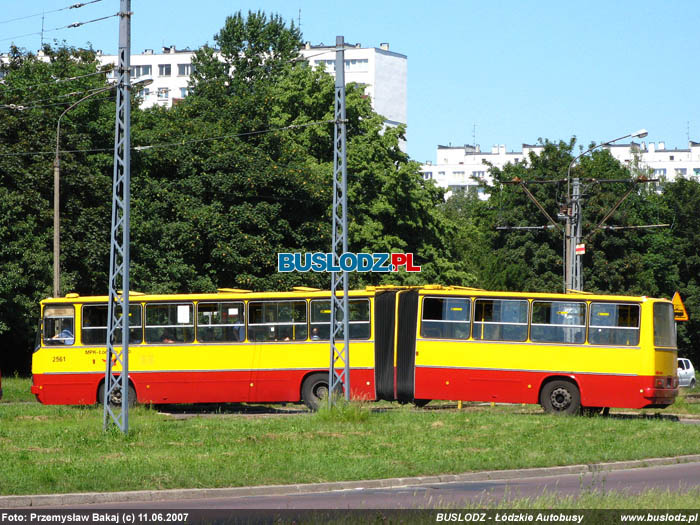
33,103
171,144
55,81
69,26
236,135
74,6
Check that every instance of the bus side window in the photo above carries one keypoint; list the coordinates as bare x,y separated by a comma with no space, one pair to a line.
221,322
614,324
59,325
359,322
95,321
169,323
558,322
277,321
500,319
446,318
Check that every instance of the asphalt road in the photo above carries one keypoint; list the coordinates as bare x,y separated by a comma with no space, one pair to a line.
445,495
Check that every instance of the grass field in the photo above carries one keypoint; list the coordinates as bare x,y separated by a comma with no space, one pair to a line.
49,449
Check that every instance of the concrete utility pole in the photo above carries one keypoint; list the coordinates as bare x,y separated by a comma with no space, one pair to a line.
116,385
339,370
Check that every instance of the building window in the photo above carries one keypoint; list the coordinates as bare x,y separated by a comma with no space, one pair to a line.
163,93
184,70
441,173
427,175
141,71
328,64
477,174
661,172
144,93
184,92
164,70
681,172
696,172
670,157
359,64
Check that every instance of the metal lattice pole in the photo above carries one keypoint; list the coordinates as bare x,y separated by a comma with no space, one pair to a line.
117,367
339,370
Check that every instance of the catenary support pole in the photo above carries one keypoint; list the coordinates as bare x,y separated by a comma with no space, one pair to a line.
339,370
116,385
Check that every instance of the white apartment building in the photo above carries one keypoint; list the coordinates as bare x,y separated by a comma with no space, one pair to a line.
661,163
170,71
383,74
462,167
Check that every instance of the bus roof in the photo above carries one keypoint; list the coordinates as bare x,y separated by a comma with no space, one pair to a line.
232,294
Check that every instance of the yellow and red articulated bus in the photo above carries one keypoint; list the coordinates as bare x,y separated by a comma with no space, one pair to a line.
568,352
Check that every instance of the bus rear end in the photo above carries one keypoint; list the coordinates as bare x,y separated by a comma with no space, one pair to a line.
663,382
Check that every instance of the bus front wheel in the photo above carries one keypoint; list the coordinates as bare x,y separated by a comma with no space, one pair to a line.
560,397
115,398
314,390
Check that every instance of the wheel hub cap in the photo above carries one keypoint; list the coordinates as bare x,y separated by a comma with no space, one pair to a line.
561,398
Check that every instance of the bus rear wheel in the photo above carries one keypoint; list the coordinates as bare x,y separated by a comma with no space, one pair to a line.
314,390
115,399
560,397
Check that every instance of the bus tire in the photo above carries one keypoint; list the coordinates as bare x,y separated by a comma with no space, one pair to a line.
420,403
560,397
314,390
116,398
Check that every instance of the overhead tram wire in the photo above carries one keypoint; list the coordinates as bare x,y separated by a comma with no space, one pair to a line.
172,144
74,6
69,26
56,81
235,135
34,103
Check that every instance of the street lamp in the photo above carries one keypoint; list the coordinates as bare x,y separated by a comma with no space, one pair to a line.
56,183
573,267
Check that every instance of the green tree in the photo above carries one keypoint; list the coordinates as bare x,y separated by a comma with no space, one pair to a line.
31,101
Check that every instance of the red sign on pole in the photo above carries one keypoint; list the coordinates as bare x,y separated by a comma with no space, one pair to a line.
580,249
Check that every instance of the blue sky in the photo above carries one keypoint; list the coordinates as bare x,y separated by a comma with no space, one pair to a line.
505,72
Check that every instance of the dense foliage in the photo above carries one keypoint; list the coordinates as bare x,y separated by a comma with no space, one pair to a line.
242,169
654,262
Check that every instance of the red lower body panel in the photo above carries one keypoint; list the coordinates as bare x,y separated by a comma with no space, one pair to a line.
262,386
505,386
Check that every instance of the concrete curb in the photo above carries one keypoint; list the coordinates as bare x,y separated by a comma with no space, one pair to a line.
86,498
